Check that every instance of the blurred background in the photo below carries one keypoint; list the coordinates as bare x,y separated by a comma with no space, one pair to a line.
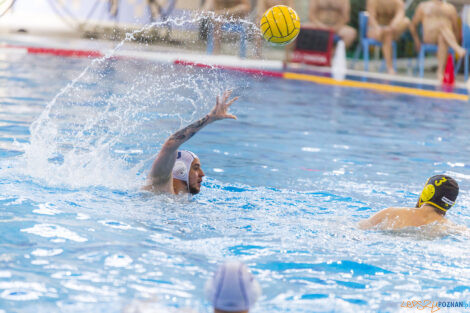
177,24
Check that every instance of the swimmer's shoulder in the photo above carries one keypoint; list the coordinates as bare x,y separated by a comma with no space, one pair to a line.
375,219
383,216
156,187
395,211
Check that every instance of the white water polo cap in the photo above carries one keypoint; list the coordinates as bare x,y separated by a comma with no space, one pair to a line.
232,288
184,159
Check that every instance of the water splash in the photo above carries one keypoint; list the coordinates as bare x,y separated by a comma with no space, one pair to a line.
104,126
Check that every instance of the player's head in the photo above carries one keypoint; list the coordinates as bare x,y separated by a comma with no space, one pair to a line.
232,288
440,191
188,169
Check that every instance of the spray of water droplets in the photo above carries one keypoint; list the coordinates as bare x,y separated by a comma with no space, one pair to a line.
105,126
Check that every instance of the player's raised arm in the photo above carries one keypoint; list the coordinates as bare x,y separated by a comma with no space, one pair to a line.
160,176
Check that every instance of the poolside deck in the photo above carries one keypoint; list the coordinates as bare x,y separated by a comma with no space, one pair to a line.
356,78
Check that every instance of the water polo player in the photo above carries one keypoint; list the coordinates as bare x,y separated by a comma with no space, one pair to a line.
176,171
232,288
438,196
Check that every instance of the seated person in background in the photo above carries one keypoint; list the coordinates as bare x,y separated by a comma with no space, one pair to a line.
437,197
226,9
387,21
332,14
155,8
263,6
232,288
113,7
440,26
176,172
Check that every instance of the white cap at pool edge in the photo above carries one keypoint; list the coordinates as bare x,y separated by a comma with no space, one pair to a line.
232,288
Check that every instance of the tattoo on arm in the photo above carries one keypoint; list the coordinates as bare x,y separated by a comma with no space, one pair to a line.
186,133
164,162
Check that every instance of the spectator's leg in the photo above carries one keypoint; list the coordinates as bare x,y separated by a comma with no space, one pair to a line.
154,8
376,33
348,34
421,57
442,50
258,45
210,37
217,36
400,28
113,7
450,39
387,50
394,56
243,42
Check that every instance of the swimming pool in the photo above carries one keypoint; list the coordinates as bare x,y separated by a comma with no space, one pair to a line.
286,185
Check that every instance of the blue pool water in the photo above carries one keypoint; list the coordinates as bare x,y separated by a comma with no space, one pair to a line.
286,185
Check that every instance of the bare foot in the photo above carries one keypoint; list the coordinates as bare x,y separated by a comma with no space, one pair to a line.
391,71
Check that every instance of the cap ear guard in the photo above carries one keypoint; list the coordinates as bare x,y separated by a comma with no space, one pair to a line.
179,170
184,159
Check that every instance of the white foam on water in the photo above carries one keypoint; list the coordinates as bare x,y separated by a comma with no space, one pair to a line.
20,295
82,216
103,291
457,175
88,132
457,164
46,209
54,231
40,262
85,298
22,291
44,252
128,151
152,305
310,149
58,240
118,260
115,224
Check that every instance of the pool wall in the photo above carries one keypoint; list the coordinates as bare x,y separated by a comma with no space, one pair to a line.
379,83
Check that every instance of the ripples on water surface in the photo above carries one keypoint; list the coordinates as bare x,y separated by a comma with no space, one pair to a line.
286,185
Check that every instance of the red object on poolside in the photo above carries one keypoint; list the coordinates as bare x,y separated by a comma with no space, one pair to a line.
66,52
231,68
449,77
60,52
313,46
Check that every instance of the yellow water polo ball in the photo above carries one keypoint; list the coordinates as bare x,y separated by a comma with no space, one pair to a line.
280,25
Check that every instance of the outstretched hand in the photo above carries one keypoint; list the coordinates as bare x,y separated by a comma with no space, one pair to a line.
219,112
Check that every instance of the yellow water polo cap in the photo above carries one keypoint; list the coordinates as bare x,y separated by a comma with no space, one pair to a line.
440,191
